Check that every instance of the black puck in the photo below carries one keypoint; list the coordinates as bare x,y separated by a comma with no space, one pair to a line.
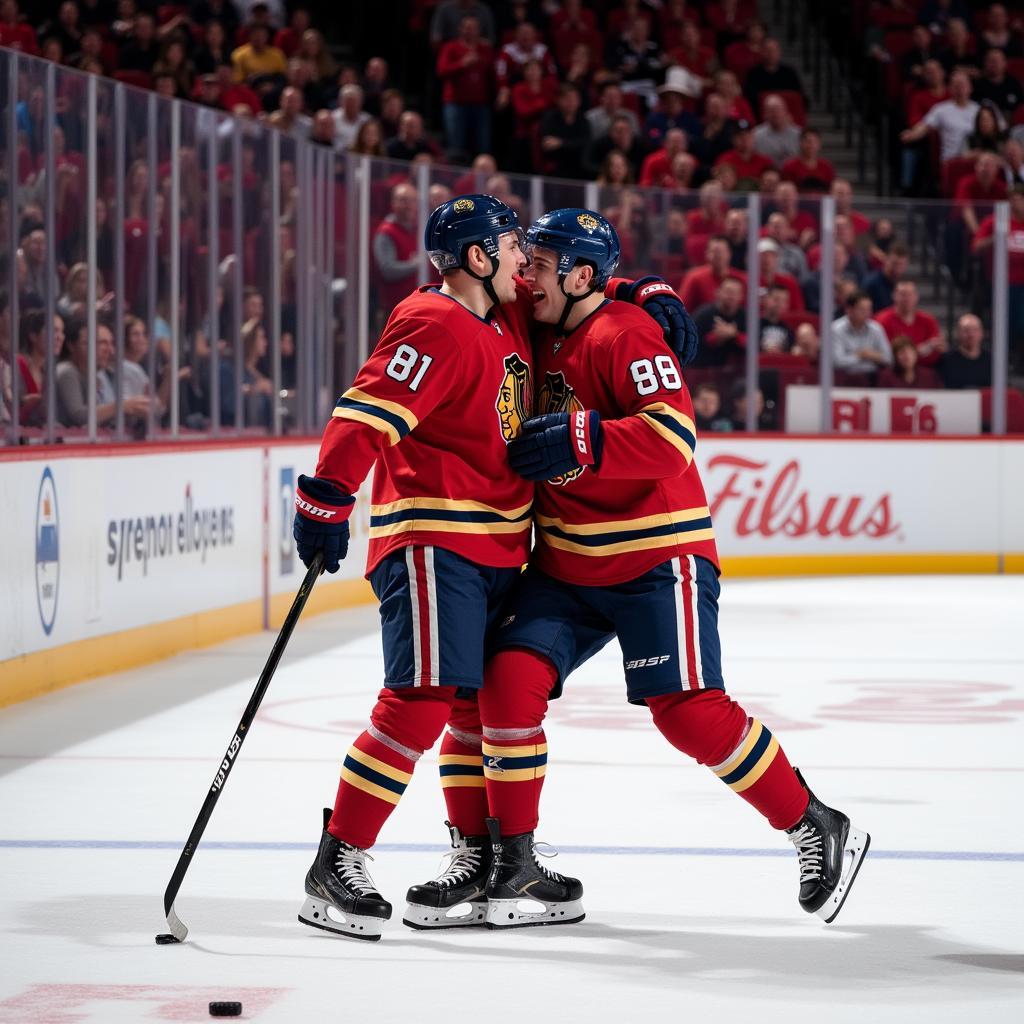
225,1009
166,939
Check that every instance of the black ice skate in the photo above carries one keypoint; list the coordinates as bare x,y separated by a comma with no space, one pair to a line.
830,852
520,892
456,897
341,897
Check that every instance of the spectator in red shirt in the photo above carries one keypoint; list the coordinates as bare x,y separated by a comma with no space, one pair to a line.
744,160
729,20
737,109
803,223
689,53
842,192
512,59
465,67
568,25
976,192
906,370
709,217
657,166
289,39
770,275
396,247
531,98
904,318
740,57
14,33
699,285
809,171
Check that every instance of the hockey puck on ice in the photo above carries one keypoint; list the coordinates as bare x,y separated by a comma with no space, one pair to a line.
166,939
225,1009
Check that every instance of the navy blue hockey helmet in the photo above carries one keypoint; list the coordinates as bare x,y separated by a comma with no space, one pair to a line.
576,234
463,221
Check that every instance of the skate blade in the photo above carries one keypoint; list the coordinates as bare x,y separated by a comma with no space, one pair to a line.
424,918
354,926
511,914
857,844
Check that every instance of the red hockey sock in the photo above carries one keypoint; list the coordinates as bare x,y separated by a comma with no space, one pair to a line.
462,770
714,730
513,703
380,763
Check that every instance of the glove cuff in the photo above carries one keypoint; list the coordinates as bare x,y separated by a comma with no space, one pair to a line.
647,287
321,501
585,431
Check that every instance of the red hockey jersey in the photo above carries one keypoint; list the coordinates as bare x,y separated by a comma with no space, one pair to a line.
434,406
646,503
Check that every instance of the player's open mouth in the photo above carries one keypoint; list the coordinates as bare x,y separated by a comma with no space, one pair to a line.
538,297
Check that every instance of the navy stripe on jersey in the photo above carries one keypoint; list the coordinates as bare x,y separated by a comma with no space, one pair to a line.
596,540
670,423
390,418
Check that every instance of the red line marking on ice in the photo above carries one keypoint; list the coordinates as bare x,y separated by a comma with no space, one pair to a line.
70,1004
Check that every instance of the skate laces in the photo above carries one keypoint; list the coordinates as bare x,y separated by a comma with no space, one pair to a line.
808,850
458,866
350,864
553,875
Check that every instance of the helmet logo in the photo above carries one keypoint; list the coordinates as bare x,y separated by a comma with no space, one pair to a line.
464,205
587,222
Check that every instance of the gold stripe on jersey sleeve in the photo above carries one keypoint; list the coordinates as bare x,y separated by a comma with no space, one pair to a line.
683,444
396,409
370,420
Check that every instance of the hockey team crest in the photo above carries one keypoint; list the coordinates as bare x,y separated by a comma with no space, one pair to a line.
558,396
587,222
47,551
514,396
464,205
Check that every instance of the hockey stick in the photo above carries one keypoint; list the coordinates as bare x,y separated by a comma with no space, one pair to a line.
178,929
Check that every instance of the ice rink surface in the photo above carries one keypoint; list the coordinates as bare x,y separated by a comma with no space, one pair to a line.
901,699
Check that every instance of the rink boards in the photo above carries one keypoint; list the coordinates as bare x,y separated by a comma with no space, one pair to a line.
116,556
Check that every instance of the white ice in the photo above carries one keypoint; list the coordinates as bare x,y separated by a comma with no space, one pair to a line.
900,698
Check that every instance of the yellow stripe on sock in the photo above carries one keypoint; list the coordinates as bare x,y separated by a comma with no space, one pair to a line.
470,759
380,766
464,781
759,769
534,750
372,788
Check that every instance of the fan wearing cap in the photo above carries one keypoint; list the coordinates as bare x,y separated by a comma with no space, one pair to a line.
748,164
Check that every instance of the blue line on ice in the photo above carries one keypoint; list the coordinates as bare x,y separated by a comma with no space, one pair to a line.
672,851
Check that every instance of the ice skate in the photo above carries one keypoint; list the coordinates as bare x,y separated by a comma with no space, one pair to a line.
341,897
830,851
521,892
455,899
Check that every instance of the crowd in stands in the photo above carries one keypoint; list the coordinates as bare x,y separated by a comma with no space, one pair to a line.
696,99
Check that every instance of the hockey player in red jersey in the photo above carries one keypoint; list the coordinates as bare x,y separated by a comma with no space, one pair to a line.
625,548
447,387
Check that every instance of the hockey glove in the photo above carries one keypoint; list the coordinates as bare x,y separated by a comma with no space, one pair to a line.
321,521
657,299
558,443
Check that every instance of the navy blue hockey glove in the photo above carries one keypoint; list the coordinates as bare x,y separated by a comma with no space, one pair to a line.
658,300
321,521
555,444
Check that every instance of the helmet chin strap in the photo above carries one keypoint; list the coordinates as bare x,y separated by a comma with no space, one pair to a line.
570,301
487,280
